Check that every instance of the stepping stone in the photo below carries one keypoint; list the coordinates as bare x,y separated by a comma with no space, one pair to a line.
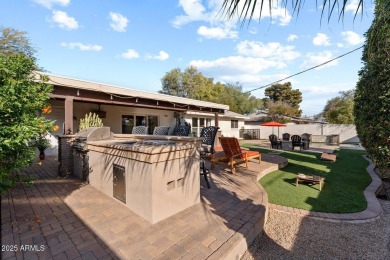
328,157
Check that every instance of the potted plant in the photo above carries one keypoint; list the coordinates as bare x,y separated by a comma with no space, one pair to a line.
41,143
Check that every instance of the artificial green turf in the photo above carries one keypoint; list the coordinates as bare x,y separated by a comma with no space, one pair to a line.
345,181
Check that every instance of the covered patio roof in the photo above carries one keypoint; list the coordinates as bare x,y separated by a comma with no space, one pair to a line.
93,92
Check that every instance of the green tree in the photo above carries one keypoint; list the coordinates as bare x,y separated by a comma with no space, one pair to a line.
280,111
13,41
192,84
284,98
372,95
172,83
339,110
22,97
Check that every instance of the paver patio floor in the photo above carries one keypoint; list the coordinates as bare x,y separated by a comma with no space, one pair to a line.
65,218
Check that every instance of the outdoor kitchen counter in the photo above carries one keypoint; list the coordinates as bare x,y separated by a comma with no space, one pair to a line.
154,178
149,151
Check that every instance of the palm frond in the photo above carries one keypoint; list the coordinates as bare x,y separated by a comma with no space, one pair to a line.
246,11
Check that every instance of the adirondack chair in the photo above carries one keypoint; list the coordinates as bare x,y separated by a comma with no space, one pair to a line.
296,140
233,154
286,137
275,142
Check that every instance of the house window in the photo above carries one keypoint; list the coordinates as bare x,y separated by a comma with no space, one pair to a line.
129,121
234,123
198,123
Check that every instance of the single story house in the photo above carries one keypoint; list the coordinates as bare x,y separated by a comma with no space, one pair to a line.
122,108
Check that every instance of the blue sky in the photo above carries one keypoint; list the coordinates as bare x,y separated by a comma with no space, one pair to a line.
134,43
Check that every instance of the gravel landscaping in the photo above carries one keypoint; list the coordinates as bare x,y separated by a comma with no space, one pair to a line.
289,236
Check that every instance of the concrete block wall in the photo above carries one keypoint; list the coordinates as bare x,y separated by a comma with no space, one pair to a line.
347,133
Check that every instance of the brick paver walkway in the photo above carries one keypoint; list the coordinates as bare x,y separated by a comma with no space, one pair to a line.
68,219
64,218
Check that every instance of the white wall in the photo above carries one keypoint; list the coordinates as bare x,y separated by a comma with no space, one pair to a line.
347,132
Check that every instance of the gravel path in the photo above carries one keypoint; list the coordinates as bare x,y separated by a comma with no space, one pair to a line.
288,236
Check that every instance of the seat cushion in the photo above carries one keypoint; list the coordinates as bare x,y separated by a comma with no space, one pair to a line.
251,153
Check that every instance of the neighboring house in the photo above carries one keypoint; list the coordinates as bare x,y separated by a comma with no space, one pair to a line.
261,116
121,108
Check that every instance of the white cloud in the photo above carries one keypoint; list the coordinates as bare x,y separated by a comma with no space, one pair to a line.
64,21
49,3
292,37
352,38
118,22
352,6
321,39
249,65
314,59
194,10
81,46
130,54
236,68
217,32
272,50
162,55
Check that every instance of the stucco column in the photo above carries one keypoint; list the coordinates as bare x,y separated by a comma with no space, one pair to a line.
69,115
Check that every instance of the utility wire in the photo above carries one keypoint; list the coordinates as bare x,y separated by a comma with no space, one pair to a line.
322,64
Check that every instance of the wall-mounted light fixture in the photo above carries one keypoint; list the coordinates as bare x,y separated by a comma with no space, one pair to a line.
157,103
136,100
111,97
78,92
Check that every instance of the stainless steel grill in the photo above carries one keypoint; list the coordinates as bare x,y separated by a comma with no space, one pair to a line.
80,148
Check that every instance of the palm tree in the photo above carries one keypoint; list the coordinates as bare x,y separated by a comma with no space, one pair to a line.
246,9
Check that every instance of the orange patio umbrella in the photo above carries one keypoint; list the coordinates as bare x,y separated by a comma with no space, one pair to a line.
273,124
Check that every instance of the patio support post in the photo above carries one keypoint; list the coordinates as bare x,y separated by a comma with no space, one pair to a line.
68,115
216,119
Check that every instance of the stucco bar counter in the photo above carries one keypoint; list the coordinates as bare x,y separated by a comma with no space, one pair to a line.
155,178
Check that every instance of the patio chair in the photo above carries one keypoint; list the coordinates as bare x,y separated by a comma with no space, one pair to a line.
161,130
208,133
275,142
286,137
306,138
296,140
181,130
233,154
140,130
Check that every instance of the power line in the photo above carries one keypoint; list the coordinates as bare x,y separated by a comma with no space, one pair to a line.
322,64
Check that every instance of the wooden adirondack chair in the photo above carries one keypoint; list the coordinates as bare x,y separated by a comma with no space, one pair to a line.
233,154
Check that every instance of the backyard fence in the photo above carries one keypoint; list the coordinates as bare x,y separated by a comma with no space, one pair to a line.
329,133
250,134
